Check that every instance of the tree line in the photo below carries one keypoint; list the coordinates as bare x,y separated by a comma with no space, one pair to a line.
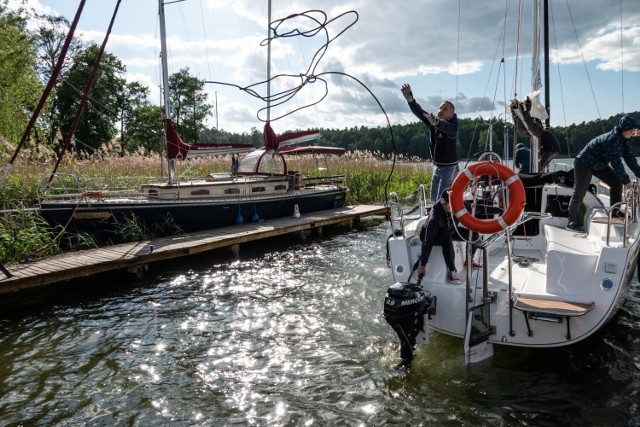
119,111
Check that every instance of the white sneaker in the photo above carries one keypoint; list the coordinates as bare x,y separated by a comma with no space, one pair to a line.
453,277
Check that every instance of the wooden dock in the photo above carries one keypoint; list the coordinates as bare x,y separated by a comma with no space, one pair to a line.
129,256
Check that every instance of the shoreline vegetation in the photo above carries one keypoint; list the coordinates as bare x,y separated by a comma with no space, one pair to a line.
25,235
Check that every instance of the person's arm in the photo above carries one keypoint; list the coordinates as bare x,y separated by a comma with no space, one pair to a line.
526,125
429,240
427,118
618,168
518,159
449,128
630,160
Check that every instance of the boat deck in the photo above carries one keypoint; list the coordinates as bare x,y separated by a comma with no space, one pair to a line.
74,265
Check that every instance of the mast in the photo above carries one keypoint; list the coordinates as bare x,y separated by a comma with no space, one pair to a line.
269,61
536,83
547,90
163,57
166,120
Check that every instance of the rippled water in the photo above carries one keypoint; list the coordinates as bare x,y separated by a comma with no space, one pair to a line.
290,333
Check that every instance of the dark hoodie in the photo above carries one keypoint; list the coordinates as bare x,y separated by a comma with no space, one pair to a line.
437,230
609,149
443,137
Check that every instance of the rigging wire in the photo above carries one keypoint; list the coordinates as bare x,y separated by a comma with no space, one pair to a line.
484,95
621,58
307,77
458,51
564,112
584,62
518,41
319,21
206,45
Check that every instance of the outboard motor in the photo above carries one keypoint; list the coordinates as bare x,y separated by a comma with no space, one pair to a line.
404,308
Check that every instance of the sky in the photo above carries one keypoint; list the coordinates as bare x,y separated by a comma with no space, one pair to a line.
446,50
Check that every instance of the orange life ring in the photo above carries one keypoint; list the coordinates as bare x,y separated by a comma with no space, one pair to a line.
517,197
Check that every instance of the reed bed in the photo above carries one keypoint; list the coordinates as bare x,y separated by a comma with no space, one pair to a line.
24,234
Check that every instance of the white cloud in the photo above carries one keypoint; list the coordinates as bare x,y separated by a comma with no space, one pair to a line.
444,52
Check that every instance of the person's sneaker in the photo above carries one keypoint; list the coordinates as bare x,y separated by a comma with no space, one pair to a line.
574,226
453,277
473,264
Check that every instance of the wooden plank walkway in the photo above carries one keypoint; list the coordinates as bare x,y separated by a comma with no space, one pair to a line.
74,265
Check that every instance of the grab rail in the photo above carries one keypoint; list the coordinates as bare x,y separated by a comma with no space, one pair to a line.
630,204
394,201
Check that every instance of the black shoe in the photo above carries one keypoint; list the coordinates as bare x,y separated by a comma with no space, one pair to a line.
574,226
617,214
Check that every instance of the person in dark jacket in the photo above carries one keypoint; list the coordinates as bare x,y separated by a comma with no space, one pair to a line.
439,230
522,158
602,158
530,127
443,132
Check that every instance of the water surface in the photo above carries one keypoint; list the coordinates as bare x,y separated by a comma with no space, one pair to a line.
289,333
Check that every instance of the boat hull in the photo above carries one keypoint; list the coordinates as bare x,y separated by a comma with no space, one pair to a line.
105,220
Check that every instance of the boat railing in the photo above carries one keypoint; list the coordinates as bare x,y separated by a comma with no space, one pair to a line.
628,205
72,187
318,181
422,200
396,215
527,216
490,156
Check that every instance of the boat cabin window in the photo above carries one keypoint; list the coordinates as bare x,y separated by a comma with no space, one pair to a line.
234,190
258,190
263,162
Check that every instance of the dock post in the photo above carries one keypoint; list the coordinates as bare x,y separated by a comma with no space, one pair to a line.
236,250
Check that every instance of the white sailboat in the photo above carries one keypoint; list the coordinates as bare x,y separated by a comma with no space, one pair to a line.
540,285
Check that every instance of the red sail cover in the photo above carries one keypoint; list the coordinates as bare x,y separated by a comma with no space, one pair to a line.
273,141
178,149
314,149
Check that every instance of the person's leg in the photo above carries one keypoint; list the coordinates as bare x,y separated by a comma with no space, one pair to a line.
447,250
442,179
582,178
449,173
615,185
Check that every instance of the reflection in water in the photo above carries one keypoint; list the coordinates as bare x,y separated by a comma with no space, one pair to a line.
289,335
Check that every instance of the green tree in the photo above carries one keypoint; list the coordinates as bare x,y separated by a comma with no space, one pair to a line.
188,102
50,38
144,126
96,126
19,85
140,122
